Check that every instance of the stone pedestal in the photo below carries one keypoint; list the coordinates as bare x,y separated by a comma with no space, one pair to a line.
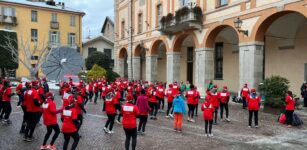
151,68
136,62
129,69
204,71
251,64
173,67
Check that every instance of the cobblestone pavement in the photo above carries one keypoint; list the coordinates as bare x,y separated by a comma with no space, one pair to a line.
159,134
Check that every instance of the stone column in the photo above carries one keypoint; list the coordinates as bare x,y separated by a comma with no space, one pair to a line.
151,68
136,68
130,77
173,67
204,67
251,63
120,66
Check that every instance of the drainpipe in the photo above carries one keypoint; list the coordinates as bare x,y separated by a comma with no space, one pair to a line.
130,35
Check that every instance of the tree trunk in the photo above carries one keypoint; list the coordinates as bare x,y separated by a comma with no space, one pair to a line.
33,74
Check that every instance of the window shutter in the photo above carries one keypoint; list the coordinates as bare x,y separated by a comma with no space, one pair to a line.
59,39
49,39
68,39
13,12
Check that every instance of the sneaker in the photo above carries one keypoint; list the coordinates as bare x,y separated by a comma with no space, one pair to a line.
118,122
143,132
29,139
256,126
25,138
249,126
166,117
139,132
214,123
162,111
227,119
207,135
192,120
289,126
188,119
52,147
211,135
105,130
179,130
175,130
171,115
151,117
155,118
111,132
43,147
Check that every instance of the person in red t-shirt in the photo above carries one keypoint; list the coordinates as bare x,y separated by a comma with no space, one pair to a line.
253,102
33,111
244,93
170,94
19,91
215,102
142,104
130,112
6,101
191,95
110,109
79,105
90,90
153,102
160,96
96,90
24,107
208,110
290,103
224,96
50,121
196,101
69,125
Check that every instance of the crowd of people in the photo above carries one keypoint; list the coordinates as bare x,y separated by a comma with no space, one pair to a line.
124,102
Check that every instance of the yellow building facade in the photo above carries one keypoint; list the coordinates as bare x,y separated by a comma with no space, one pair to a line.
231,42
39,22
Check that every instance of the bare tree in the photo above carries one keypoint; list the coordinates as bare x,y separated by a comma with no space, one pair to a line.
25,53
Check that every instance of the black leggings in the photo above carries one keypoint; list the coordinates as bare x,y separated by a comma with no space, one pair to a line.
80,119
130,133
110,121
142,123
118,108
154,108
289,117
224,106
161,103
24,120
250,118
91,94
56,129
169,107
191,110
215,114
96,97
208,122
32,120
7,109
196,109
75,136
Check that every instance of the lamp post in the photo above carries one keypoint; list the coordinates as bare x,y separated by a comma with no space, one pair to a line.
238,24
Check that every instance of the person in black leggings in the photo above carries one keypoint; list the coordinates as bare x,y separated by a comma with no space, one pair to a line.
130,133
75,136
109,123
56,130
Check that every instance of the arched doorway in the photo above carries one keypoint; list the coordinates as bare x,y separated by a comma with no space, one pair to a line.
284,36
223,40
185,44
139,61
159,50
123,63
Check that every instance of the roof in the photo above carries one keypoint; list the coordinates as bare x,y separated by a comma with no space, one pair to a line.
108,19
43,5
97,38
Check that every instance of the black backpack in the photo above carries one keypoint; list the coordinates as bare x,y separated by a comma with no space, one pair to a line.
296,121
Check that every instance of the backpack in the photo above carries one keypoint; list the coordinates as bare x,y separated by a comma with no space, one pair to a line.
296,121
282,118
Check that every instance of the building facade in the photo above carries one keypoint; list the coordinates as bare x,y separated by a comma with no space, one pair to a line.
50,23
198,41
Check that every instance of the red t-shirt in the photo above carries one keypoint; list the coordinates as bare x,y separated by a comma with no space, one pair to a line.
224,97
130,113
208,110
191,95
79,101
160,92
152,97
214,100
49,113
253,103
170,95
33,95
6,95
290,103
110,106
116,97
244,92
18,89
68,117
90,87
66,99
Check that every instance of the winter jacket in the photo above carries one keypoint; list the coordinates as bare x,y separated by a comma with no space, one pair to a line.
129,112
142,104
179,105
253,102
290,103
208,110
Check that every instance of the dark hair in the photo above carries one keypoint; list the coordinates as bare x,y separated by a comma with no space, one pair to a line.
191,86
143,91
290,93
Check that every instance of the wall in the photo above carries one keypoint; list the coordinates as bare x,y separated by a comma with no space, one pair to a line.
100,45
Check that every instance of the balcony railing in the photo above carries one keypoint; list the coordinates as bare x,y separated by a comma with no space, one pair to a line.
9,20
186,18
54,25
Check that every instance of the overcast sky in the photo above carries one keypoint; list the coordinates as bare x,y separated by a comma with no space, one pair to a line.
96,12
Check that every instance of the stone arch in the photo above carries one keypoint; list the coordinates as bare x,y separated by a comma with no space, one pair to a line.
181,37
158,52
266,21
122,53
137,51
155,45
213,33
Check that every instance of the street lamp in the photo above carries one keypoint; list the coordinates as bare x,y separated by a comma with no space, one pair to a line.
238,23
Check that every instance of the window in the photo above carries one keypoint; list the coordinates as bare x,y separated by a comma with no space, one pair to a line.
159,14
34,57
34,16
108,52
221,3
91,50
140,23
218,61
34,35
72,21
72,40
54,17
142,2
123,29
54,39
8,11
184,2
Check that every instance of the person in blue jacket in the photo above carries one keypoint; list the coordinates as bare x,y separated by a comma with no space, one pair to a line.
179,110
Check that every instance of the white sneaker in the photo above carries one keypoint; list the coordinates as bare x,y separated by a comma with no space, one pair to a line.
211,135
192,120
188,119
117,122
227,119
256,126
171,115
105,130
111,132
166,117
249,126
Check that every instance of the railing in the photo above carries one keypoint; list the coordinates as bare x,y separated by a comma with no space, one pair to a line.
185,18
54,25
10,20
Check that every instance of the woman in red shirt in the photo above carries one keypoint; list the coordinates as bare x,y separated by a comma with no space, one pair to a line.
208,110
290,103
253,103
50,121
69,126
6,101
130,113
110,111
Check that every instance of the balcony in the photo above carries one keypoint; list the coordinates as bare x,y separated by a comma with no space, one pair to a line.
54,25
8,20
186,18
